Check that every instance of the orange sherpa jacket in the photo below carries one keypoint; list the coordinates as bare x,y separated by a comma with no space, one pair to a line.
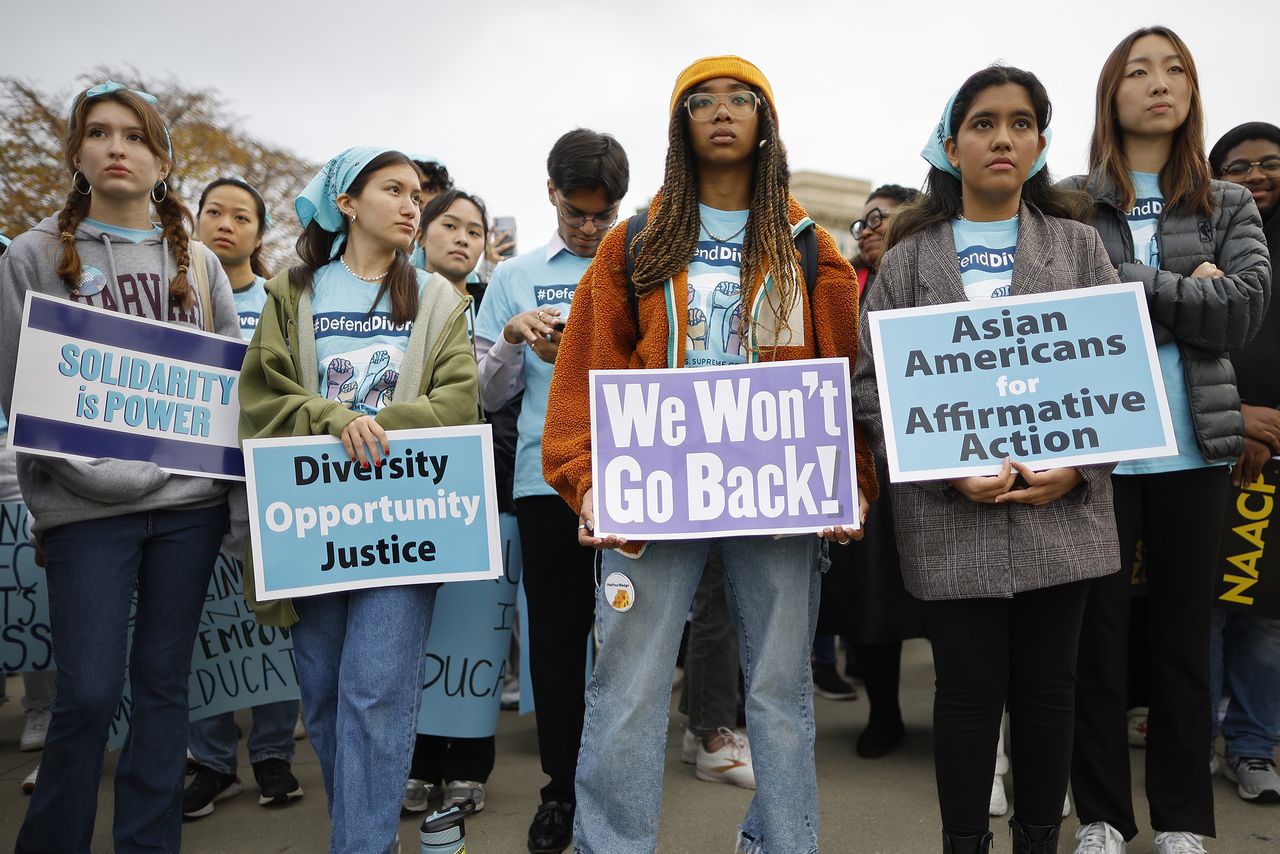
602,335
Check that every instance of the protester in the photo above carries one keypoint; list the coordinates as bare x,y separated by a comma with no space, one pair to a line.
1245,651
447,770
360,654
988,191
434,179
726,178
231,220
111,526
1197,247
518,334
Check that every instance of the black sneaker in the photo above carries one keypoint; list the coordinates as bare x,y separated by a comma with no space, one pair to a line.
552,828
204,787
276,784
827,683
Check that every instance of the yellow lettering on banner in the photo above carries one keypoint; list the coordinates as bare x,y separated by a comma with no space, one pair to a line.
1234,594
1246,563
1242,506
1253,532
1260,485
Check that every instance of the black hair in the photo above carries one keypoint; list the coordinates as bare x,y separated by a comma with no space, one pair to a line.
315,244
900,194
435,177
942,199
584,159
441,203
255,260
1237,135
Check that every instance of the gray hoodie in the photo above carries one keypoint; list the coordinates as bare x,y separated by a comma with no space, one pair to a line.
131,278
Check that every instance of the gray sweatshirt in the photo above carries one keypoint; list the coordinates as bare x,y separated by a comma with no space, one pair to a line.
131,278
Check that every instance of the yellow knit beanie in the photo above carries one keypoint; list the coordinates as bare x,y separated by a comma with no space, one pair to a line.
710,67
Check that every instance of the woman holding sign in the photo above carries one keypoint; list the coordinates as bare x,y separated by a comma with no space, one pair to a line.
1000,561
385,347
110,527
724,196
1197,246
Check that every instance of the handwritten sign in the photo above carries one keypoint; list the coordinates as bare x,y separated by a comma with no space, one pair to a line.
26,642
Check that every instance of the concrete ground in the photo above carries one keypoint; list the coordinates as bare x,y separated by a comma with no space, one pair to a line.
885,806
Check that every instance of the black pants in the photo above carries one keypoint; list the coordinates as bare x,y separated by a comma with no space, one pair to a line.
993,653
560,588
1179,518
437,759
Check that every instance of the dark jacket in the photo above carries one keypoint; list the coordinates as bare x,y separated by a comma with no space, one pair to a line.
1207,317
951,547
1258,365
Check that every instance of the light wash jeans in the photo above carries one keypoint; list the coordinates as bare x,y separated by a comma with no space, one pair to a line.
773,594
212,741
1245,649
361,657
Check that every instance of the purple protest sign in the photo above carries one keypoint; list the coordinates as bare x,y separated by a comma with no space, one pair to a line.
688,453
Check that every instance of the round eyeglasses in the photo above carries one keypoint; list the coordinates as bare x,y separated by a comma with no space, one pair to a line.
873,220
703,106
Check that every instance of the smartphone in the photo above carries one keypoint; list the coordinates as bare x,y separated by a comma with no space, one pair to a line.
507,224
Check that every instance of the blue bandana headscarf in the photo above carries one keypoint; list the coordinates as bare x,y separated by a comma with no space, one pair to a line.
111,86
318,202
935,150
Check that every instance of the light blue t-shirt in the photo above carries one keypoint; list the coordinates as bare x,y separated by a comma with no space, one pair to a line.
713,327
249,303
528,282
359,351
137,235
1144,221
985,251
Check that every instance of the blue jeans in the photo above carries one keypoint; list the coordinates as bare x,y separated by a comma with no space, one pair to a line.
773,592
361,658
212,741
93,569
1245,649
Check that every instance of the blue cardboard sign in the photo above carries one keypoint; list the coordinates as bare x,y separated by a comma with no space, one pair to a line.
26,641
1067,378
320,524
92,383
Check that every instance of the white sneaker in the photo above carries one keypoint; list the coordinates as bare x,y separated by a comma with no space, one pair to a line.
419,795
1099,838
1256,779
457,791
29,781
1136,726
35,729
999,801
1179,842
689,747
299,728
1066,805
730,764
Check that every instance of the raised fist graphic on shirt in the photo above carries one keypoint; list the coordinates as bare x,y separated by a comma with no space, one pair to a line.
696,329
340,370
378,363
383,387
347,393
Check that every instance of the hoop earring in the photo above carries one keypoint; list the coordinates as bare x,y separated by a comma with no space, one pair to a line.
164,191
75,182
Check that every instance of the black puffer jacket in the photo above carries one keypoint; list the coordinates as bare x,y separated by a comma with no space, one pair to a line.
1207,317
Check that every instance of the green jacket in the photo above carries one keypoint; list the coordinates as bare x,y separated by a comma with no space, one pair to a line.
279,384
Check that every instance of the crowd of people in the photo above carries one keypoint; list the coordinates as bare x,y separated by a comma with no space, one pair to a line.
1021,580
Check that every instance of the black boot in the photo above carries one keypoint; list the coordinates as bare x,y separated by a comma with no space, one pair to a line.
979,843
1031,839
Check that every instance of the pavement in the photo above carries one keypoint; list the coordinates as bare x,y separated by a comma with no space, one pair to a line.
882,806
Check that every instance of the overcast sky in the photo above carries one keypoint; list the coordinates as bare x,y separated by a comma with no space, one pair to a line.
488,87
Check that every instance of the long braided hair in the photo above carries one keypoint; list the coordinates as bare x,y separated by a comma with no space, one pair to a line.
671,235
175,219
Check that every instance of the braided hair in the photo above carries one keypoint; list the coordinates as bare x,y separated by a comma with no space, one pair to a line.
175,220
671,235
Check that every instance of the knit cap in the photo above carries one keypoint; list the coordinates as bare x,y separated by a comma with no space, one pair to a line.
710,67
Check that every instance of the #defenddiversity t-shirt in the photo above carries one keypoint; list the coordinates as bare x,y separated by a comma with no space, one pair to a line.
985,251
714,320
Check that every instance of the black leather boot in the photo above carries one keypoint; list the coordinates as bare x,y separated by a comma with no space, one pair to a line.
979,843
1030,839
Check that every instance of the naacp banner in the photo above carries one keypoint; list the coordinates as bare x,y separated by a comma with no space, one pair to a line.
1068,378
93,383
690,453
1248,575
320,523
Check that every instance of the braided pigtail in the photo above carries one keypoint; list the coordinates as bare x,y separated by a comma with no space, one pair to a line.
177,223
69,267
767,245
671,236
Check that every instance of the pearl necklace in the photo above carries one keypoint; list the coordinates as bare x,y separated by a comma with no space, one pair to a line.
717,238
376,278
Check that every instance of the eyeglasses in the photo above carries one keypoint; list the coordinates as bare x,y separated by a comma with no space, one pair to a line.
1240,168
602,221
703,106
875,218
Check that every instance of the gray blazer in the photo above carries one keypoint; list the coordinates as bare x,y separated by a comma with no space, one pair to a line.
951,547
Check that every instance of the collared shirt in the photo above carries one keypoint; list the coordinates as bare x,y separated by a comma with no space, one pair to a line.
542,278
